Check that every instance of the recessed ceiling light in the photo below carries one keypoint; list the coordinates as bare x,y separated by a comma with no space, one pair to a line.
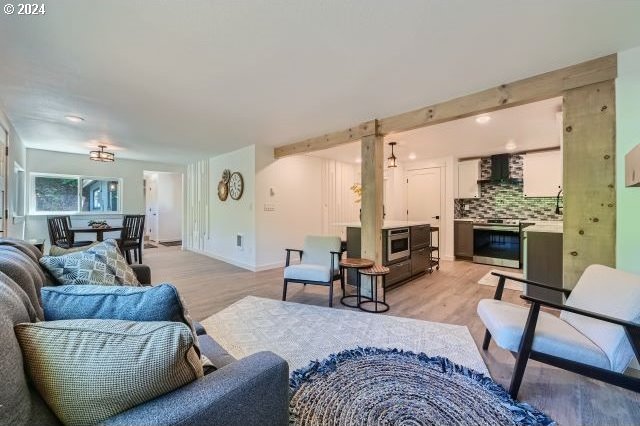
358,160
412,156
483,119
74,118
511,145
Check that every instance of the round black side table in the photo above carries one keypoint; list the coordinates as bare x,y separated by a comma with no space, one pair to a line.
357,264
374,273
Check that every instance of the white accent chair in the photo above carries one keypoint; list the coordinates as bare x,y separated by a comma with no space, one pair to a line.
596,335
319,264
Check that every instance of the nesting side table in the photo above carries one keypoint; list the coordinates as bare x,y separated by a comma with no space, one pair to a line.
374,273
352,263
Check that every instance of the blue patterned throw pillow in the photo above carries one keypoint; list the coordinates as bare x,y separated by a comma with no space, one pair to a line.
101,264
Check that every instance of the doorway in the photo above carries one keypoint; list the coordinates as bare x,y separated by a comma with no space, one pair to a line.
425,195
163,207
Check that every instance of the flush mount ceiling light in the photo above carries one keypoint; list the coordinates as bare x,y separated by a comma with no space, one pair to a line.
393,160
511,145
74,118
102,155
412,156
483,119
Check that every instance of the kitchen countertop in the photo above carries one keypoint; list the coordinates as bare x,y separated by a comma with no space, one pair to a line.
555,227
522,221
388,224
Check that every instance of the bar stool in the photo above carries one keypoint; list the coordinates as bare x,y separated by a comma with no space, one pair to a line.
357,264
375,272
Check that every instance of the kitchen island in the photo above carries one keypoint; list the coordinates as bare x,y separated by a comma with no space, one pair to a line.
406,249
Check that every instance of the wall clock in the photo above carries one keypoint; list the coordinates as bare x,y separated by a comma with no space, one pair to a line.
226,174
236,185
223,191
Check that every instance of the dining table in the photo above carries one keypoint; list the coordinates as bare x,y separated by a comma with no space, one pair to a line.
98,231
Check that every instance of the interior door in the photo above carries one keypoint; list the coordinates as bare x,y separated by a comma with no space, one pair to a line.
424,198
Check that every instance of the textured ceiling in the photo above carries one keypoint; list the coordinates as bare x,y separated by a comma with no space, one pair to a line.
178,80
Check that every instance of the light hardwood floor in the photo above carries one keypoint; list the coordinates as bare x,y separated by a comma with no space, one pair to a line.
449,295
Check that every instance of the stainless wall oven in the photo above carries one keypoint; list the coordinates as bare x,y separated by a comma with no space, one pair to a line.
497,244
398,244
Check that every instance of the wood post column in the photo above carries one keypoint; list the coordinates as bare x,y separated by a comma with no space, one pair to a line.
589,148
372,186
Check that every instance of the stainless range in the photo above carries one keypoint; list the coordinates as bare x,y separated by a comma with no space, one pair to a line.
497,242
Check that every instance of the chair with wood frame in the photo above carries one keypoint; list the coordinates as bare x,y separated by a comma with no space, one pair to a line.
596,335
319,264
132,237
59,234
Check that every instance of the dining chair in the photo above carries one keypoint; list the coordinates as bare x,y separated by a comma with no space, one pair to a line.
132,236
59,234
319,264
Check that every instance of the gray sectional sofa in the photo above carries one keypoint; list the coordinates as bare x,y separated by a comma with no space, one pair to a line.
250,391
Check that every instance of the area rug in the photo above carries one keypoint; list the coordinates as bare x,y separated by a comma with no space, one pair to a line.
492,280
370,386
301,333
171,243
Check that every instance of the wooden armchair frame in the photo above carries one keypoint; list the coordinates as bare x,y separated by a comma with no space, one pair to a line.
525,351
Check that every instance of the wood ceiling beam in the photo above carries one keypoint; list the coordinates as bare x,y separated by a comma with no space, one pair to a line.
329,140
540,87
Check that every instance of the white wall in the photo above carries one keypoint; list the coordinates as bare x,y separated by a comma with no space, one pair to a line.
130,171
284,200
227,219
627,137
299,196
17,153
289,204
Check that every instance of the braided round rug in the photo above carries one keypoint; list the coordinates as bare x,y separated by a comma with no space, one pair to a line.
370,386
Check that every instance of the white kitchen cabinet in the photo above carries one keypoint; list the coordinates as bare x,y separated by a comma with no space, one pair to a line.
468,176
632,167
542,173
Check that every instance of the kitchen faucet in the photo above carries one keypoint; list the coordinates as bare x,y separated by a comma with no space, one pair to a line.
558,207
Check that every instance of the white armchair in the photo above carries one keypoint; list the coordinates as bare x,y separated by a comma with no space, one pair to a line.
319,264
596,335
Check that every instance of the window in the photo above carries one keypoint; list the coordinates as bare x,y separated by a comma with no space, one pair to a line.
74,194
99,195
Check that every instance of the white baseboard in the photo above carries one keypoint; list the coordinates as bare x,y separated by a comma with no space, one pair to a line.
268,266
233,262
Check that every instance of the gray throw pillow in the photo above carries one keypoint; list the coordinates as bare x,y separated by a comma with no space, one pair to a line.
101,264
90,370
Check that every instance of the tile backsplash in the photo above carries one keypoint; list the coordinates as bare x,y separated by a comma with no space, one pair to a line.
506,200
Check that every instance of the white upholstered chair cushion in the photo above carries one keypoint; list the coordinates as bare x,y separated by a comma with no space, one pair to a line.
610,292
317,251
307,273
505,321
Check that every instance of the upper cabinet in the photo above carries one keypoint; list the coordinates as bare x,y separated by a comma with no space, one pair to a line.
632,167
468,176
542,173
